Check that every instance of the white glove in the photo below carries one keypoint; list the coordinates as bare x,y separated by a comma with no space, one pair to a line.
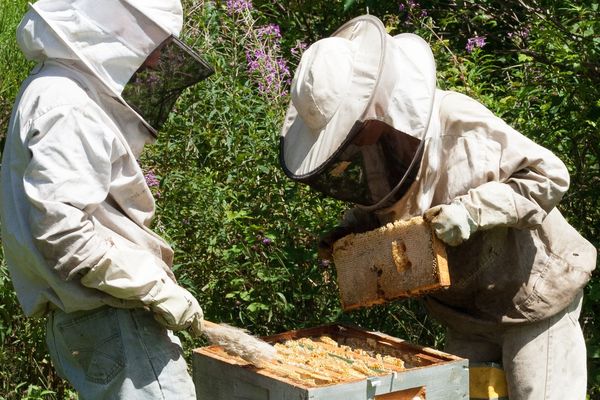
175,307
452,223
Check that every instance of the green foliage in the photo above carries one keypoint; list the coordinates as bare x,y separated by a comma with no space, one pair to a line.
238,226
13,66
245,236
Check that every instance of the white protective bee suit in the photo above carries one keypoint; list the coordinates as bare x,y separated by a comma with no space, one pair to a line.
75,205
517,268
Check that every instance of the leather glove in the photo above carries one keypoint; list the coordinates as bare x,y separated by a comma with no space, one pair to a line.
175,308
325,250
452,223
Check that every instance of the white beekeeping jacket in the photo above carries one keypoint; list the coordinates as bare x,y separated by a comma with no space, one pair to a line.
75,206
526,262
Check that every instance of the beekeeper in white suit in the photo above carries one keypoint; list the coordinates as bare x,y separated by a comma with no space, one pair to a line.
75,206
366,124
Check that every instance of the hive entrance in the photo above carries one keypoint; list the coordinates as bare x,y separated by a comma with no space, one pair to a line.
410,394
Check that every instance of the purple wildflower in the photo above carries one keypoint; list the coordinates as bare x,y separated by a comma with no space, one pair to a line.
238,6
264,63
271,30
152,79
151,179
266,67
324,263
412,10
519,37
477,41
266,241
298,49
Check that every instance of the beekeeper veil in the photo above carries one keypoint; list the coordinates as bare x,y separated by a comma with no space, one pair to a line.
358,120
131,46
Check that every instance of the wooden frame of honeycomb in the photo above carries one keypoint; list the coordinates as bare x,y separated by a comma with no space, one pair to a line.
398,260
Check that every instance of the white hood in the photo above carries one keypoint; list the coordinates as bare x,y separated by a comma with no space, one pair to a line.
109,39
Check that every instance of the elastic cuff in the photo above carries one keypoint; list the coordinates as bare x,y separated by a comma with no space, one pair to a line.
151,296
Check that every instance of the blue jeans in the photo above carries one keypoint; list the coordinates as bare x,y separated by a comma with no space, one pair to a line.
111,353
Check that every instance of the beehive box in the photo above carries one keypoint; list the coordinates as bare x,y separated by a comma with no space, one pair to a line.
426,374
398,260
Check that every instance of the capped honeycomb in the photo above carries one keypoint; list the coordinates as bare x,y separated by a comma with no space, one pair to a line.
321,360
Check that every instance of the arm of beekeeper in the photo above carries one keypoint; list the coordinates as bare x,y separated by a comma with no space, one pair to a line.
73,151
527,182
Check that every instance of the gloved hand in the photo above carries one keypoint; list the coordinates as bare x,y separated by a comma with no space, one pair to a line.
355,220
452,223
175,308
325,250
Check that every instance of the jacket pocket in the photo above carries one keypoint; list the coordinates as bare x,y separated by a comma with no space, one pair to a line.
554,289
95,343
571,260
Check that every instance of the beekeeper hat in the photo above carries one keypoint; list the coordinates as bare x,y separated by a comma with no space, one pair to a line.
357,74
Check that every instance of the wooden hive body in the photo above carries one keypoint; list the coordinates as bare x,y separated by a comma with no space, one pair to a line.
430,374
400,259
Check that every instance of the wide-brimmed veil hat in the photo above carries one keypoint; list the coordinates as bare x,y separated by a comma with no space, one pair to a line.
360,73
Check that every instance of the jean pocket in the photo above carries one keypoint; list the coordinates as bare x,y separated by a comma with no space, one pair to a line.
152,332
94,341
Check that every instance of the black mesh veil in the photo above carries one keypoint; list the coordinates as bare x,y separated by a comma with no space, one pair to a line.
373,168
167,72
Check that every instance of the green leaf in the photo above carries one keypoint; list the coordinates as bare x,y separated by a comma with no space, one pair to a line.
255,307
524,58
